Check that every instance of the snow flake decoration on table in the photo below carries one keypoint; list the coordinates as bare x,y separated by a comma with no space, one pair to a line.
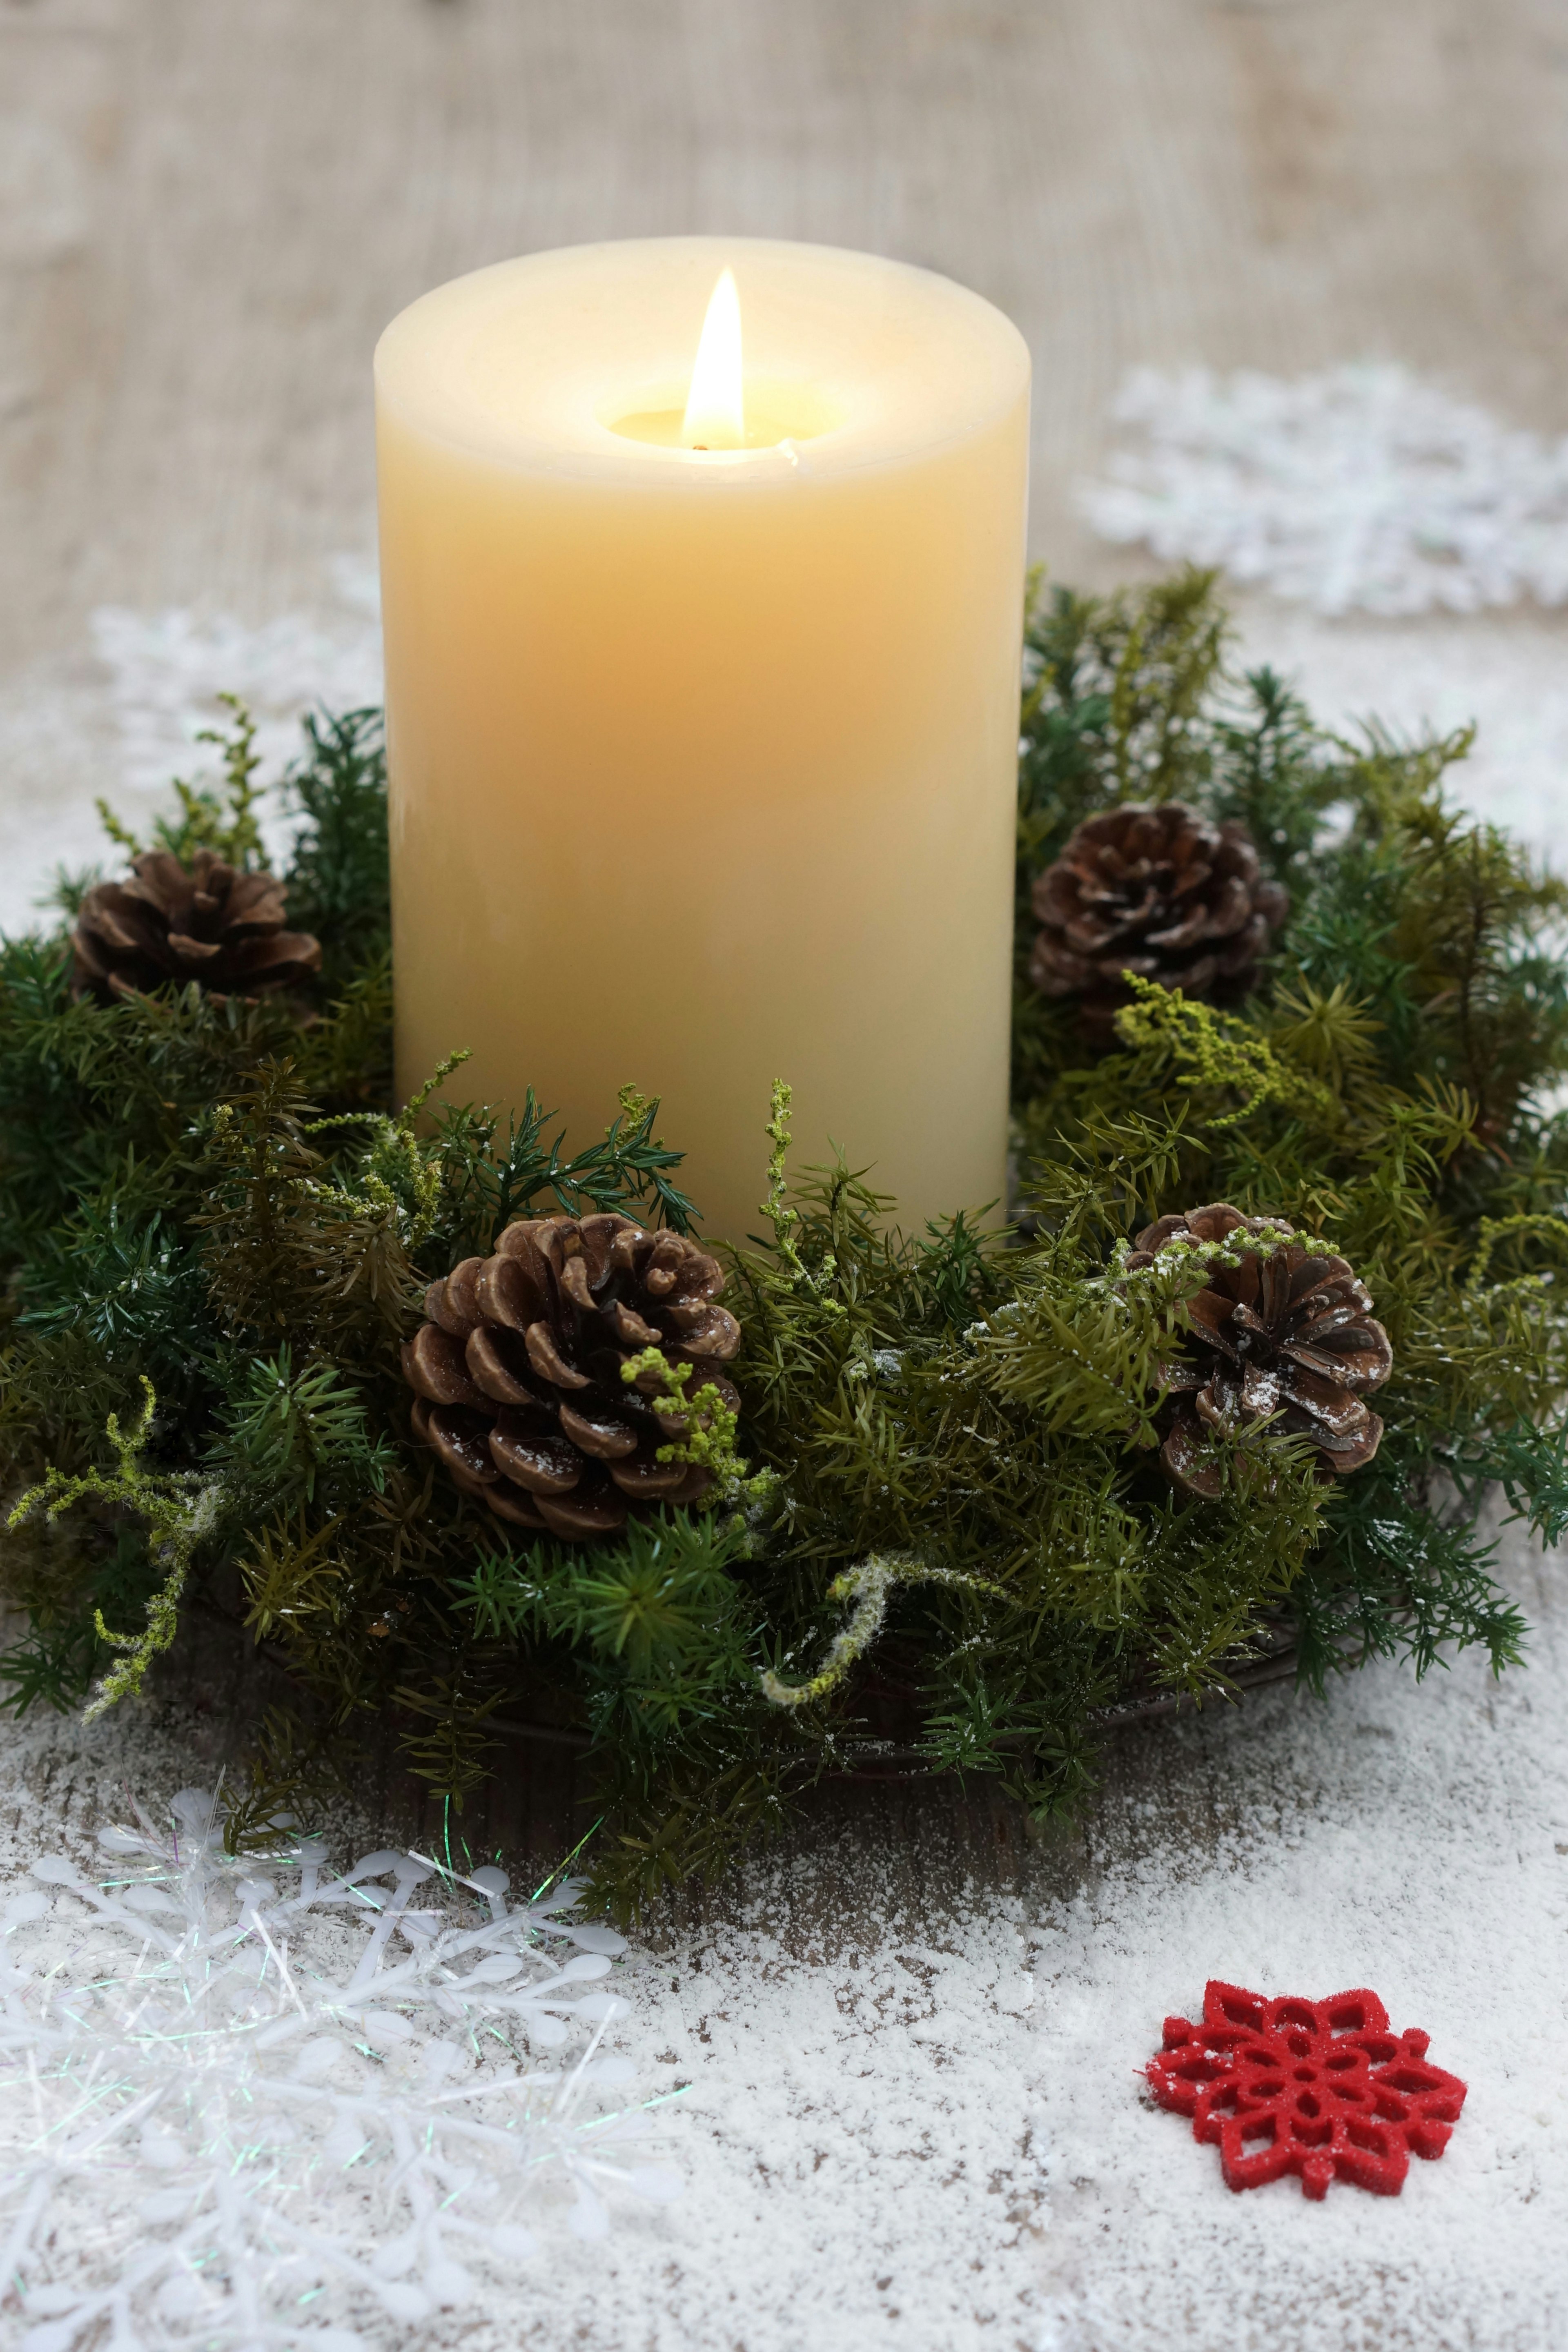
1323,2088
246,2101
166,671
1360,489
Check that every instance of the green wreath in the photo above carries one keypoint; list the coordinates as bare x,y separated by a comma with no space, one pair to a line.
937,1534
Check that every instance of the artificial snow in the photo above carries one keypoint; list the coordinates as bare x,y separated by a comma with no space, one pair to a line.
914,2113
1508,678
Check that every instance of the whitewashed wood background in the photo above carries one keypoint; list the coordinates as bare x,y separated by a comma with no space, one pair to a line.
210,208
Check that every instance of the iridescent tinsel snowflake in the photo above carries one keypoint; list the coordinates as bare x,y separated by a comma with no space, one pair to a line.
242,2100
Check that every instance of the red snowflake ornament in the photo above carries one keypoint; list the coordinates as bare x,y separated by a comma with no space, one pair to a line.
1323,2085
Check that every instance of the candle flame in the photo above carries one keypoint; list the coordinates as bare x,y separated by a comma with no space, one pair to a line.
715,406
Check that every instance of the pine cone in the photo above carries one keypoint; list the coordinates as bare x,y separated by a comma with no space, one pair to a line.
1285,1332
206,922
518,1372
1156,890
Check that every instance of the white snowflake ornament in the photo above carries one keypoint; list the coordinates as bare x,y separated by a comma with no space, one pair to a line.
1360,489
242,2100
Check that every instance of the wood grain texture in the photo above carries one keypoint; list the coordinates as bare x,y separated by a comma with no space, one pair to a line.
208,209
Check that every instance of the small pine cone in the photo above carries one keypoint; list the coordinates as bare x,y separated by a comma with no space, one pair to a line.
206,922
518,1372
1287,1331
1156,890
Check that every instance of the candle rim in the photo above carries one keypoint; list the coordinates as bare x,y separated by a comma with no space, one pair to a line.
429,397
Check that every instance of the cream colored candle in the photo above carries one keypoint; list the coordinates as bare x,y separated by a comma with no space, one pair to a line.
702,759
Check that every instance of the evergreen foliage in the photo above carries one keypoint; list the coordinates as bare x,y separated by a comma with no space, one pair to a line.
939,1531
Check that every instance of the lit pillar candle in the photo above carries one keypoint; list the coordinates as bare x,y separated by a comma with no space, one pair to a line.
703,684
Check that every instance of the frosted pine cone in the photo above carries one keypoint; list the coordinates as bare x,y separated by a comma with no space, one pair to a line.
1156,890
1287,1331
206,922
517,1370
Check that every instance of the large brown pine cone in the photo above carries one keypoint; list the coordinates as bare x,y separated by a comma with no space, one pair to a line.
517,1370
1156,890
1287,1331
206,922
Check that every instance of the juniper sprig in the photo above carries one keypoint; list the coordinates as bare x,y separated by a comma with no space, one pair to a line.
938,1524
